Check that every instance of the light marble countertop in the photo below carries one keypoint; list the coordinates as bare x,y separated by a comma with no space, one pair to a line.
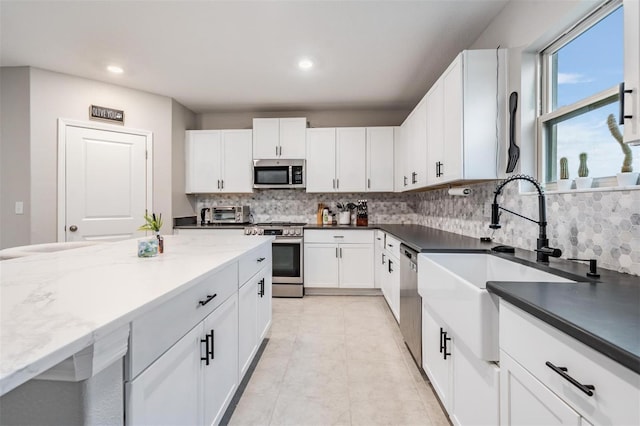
55,304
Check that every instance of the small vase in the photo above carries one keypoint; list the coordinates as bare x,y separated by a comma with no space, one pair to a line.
344,218
564,184
627,178
160,243
148,247
584,182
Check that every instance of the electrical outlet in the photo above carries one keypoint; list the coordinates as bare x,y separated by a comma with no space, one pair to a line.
19,207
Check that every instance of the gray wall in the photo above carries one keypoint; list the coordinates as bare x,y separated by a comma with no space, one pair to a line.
15,163
333,118
182,119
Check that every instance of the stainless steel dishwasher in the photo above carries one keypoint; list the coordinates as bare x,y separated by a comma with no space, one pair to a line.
410,303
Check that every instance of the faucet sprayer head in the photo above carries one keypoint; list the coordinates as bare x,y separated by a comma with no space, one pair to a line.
495,217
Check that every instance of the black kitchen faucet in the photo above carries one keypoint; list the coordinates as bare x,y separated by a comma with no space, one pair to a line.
542,247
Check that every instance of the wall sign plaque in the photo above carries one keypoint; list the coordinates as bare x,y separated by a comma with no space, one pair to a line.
103,113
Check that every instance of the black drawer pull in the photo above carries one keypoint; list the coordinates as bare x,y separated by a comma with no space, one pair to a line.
213,344
441,342
260,259
261,288
207,349
588,389
208,299
446,339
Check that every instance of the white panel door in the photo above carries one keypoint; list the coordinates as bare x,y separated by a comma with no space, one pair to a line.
247,323
106,186
321,160
438,369
221,375
293,133
168,392
351,159
401,180
526,401
451,168
237,164
356,265
266,138
321,265
380,159
435,131
418,146
264,306
203,160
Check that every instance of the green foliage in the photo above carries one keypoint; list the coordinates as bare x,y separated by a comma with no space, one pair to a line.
628,155
583,170
153,223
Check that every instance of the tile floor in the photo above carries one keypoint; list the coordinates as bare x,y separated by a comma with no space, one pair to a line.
336,360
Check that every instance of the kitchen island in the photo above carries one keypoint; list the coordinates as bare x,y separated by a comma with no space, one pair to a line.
68,315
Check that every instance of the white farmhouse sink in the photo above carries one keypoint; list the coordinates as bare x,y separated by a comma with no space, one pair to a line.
454,288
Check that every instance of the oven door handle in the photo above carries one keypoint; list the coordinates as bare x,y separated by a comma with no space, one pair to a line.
287,241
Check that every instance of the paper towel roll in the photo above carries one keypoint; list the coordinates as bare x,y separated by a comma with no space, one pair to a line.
465,192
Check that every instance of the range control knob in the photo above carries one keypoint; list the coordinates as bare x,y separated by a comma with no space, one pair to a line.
285,232
260,231
298,231
247,231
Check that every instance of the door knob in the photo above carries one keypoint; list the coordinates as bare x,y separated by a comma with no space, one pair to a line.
73,228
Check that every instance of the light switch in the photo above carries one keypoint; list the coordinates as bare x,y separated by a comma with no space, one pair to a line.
19,207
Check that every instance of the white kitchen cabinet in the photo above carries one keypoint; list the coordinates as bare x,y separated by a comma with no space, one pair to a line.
399,159
463,118
220,378
524,400
414,130
279,138
553,359
336,160
338,259
264,305
247,323
632,70
321,160
378,249
392,269
468,387
169,391
218,161
380,159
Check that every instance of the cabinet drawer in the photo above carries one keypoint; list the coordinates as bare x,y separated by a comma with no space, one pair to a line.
351,236
156,331
380,237
253,261
392,245
533,343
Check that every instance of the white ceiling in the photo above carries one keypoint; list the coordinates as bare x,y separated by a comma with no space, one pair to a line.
242,55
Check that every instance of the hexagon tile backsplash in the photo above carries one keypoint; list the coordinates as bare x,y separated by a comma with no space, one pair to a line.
602,225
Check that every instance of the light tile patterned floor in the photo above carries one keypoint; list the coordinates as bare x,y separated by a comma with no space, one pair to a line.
336,360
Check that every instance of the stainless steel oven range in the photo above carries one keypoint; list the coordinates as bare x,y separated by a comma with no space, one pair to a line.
287,255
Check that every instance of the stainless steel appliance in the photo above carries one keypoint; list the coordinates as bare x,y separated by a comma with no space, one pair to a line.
279,174
410,303
287,256
229,214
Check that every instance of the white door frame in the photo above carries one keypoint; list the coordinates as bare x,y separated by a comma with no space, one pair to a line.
63,123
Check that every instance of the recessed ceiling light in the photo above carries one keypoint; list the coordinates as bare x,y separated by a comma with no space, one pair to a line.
115,69
305,64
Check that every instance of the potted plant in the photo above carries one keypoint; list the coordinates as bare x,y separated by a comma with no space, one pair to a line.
564,184
626,177
344,215
583,181
153,223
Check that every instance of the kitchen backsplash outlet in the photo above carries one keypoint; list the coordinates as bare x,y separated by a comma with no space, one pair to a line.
599,225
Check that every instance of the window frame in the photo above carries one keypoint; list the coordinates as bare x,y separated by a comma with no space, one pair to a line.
545,98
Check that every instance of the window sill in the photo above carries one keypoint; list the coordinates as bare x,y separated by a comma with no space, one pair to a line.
580,191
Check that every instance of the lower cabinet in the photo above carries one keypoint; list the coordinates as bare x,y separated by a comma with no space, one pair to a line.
389,267
527,401
192,383
341,259
468,387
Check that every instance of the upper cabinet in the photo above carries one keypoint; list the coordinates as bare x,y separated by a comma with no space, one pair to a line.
462,117
276,138
380,158
336,159
218,161
414,140
632,71
350,159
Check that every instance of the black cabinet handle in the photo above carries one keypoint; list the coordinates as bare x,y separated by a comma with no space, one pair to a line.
260,259
446,339
441,341
562,371
207,349
621,93
383,261
405,181
208,299
213,345
390,263
261,288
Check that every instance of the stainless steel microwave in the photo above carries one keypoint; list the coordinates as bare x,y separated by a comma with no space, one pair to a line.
230,214
280,174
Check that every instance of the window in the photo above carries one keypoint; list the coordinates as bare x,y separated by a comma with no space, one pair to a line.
581,72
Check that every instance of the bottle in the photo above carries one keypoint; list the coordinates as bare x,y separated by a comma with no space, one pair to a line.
160,243
325,216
